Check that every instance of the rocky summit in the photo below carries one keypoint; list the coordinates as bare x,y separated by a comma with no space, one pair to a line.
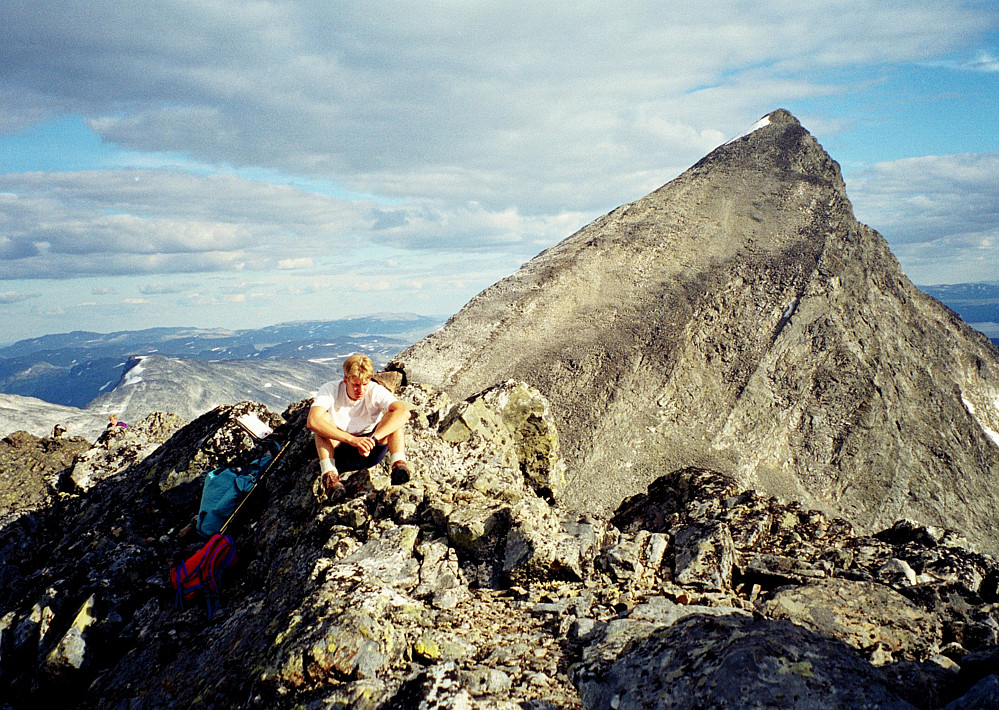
741,319
468,588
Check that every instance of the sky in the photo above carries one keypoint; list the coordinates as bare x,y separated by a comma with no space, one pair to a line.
240,164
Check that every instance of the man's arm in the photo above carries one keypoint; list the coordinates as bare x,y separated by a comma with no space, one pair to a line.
394,419
320,422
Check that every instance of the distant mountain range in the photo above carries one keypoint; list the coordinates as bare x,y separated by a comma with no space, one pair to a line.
74,368
976,303
183,370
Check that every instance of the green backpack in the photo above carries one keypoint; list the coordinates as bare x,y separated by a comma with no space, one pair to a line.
226,488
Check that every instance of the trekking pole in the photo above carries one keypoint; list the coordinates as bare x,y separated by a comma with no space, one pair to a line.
257,483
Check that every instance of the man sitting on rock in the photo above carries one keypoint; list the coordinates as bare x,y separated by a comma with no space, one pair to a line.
355,422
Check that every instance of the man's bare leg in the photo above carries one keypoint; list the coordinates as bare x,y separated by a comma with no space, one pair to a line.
327,467
397,456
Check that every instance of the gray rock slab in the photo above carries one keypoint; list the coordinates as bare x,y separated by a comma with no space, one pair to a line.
722,662
863,615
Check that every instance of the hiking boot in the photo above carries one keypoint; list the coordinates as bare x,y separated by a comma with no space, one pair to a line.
336,494
331,481
333,490
400,474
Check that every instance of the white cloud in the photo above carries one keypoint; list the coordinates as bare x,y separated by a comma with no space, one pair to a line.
304,262
75,224
71,224
937,212
15,297
162,287
449,139
984,62
366,92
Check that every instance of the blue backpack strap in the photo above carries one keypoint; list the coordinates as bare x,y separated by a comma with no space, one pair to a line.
187,582
179,573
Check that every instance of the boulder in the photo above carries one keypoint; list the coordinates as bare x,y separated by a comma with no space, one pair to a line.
705,555
31,470
725,661
870,617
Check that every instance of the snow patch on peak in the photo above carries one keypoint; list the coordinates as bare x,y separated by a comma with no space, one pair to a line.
968,405
134,376
762,123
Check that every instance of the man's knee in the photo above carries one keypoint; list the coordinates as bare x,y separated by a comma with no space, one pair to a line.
397,434
323,444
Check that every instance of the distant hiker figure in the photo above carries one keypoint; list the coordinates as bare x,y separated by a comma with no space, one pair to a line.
356,422
113,422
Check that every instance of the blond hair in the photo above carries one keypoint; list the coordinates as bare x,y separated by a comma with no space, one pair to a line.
359,365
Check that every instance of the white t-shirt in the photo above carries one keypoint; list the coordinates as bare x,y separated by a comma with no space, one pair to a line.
354,417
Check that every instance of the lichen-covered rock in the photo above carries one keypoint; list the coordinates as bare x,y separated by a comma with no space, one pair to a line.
638,559
527,415
30,470
468,587
541,546
607,641
71,652
728,661
478,531
778,570
352,623
705,555
869,617
440,575
472,420
217,441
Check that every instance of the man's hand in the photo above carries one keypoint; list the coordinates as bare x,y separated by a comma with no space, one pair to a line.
364,444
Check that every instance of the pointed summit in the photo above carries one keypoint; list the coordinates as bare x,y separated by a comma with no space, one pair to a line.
777,141
740,318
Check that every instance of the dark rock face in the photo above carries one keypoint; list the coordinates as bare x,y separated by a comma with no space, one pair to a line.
732,661
740,319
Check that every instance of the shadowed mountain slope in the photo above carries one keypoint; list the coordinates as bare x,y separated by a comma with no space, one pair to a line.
740,318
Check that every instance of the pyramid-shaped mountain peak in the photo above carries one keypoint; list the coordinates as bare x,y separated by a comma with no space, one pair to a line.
739,318
777,142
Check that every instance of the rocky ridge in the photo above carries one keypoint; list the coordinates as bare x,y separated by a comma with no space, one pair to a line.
32,469
739,318
469,588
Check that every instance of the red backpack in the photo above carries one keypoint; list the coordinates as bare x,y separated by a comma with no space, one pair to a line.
202,572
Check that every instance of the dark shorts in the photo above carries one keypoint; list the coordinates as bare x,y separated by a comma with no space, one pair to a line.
348,458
